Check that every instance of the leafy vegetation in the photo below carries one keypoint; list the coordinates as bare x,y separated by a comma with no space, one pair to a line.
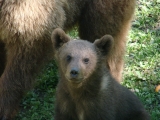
141,71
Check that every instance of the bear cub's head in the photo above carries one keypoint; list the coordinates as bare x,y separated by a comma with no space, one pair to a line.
78,59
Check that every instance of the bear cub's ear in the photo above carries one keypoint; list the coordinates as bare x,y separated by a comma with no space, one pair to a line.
104,44
59,37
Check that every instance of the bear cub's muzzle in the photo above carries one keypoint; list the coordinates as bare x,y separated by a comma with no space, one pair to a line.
74,75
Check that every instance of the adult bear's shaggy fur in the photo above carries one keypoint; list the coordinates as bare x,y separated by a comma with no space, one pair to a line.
25,45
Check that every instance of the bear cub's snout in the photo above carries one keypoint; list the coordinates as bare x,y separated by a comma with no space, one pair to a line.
74,73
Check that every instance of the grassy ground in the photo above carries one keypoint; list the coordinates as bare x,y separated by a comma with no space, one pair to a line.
142,69
141,72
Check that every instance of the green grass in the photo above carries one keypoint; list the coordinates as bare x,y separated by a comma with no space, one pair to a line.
39,103
141,71
142,68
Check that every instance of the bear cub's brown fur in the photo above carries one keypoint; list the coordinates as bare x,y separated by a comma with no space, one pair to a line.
86,89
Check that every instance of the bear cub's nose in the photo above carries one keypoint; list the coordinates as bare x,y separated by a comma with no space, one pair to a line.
74,73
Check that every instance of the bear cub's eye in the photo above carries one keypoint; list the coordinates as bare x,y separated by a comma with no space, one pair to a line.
86,60
68,58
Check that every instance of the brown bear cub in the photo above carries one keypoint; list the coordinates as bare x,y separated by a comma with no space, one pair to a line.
86,89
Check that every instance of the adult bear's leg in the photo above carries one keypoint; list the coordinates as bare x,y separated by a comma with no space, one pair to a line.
115,59
23,62
2,57
108,17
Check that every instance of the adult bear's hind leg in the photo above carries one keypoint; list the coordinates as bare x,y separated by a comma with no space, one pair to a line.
23,62
101,17
115,58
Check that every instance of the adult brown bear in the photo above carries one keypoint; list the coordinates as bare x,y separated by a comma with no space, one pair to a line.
25,45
